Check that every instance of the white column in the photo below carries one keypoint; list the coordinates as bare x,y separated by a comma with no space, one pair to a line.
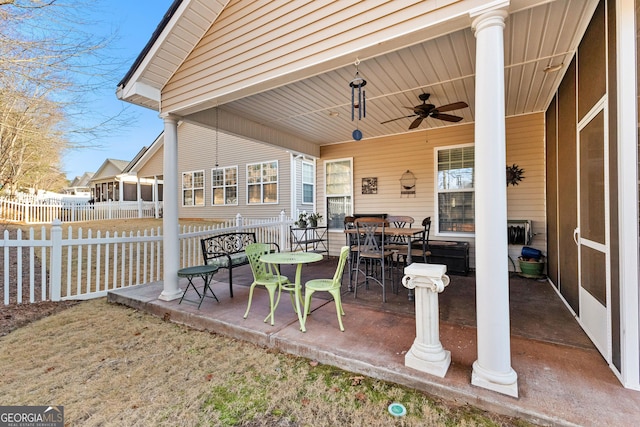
139,196
627,189
171,253
493,369
156,196
120,185
427,354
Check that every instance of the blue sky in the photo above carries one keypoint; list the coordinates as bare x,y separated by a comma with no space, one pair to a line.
134,21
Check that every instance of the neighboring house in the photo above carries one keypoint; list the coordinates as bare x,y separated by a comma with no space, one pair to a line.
104,185
222,175
117,180
551,87
81,185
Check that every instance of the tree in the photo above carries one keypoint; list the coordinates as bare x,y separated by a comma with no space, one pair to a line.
51,64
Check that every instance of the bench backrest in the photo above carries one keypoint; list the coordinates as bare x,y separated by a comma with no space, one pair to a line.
226,244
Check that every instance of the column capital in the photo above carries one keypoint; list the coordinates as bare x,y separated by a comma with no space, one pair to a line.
433,284
430,276
489,17
169,118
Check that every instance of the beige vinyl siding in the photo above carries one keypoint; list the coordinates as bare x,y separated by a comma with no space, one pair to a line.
251,42
525,147
154,166
108,171
388,158
197,150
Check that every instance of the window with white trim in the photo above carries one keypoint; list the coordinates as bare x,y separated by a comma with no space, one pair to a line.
224,186
308,182
338,191
456,195
193,188
262,183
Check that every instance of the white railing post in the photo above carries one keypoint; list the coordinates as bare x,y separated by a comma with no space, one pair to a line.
239,222
284,231
55,279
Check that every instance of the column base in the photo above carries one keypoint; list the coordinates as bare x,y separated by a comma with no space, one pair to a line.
434,361
501,383
170,296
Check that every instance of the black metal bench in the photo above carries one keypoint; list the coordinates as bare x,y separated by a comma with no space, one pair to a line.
227,251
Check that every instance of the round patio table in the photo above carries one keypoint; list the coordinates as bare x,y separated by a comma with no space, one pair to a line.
297,258
204,271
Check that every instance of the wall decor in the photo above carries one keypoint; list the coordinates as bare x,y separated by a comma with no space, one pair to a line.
514,174
370,185
408,184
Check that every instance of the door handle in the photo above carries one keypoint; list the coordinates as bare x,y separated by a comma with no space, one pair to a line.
576,234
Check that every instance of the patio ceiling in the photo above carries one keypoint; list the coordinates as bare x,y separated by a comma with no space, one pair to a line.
535,38
317,108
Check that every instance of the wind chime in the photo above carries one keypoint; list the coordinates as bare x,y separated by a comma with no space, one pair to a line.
358,102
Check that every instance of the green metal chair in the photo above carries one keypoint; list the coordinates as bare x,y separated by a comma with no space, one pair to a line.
263,275
328,285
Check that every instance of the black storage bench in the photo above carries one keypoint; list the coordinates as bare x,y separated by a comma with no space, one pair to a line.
455,255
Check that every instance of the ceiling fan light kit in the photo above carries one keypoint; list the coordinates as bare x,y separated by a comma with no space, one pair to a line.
424,110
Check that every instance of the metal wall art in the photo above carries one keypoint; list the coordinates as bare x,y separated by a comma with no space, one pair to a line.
408,184
514,174
369,185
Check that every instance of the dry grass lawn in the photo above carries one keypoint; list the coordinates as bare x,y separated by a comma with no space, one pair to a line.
110,365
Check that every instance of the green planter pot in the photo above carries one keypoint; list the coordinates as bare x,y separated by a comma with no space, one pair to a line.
531,268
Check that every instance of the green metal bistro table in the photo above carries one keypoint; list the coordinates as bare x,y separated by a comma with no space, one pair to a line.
298,258
204,271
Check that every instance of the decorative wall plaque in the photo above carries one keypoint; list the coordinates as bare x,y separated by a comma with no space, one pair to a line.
370,185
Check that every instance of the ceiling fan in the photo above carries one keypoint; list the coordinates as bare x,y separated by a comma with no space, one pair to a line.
425,110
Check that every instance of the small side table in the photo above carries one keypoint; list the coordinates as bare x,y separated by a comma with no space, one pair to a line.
204,271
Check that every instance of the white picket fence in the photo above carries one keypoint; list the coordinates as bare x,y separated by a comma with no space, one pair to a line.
45,211
84,265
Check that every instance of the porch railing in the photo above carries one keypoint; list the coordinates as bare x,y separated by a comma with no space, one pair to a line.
56,265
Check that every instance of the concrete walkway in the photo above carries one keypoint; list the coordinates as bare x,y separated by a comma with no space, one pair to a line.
558,384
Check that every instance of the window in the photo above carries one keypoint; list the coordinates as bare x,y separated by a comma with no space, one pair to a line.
456,200
193,188
339,190
308,182
262,182
224,186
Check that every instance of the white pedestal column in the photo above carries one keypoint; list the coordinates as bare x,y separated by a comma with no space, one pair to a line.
171,248
427,354
493,369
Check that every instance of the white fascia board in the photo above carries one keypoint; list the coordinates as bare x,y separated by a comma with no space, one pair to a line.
122,92
139,89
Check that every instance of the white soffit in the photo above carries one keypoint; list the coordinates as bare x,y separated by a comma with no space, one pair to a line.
186,27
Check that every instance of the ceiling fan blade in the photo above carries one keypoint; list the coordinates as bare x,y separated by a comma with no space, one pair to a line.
416,123
446,117
399,118
451,107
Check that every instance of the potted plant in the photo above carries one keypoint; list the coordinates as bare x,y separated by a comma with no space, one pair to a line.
314,218
302,220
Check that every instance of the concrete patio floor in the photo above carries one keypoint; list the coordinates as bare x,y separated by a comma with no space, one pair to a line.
562,379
